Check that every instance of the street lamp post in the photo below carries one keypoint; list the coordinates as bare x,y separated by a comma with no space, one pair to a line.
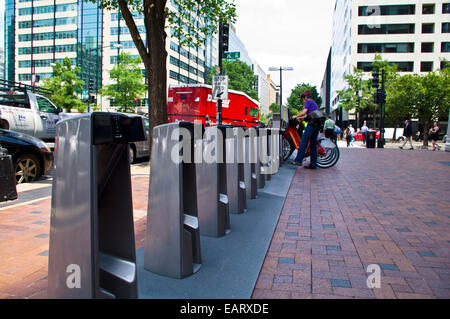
281,69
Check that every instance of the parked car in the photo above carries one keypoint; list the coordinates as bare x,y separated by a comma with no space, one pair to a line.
140,149
32,158
25,109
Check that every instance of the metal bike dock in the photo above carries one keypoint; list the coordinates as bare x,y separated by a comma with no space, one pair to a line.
236,187
213,202
92,250
250,176
262,157
172,243
275,142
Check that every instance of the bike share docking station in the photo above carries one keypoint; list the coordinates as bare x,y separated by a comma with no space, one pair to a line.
92,250
251,153
212,190
236,187
172,243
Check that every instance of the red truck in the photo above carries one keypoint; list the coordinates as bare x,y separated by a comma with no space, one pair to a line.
193,103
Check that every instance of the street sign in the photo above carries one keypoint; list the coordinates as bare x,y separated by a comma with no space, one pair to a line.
231,55
85,94
220,87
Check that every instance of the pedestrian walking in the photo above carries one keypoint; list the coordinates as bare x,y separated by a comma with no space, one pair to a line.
407,133
348,136
337,133
434,136
328,128
310,134
364,130
352,132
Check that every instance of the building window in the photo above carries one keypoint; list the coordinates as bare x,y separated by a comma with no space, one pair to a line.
427,47
445,64
401,66
387,10
407,28
445,47
428,28
428,9
445,27
386,47
426,66
446,8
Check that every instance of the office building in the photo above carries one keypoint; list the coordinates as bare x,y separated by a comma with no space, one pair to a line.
413,34
39,33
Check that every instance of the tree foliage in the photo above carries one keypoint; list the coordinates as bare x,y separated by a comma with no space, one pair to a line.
129,82
295,103
240,77
274,108
66,84
425,97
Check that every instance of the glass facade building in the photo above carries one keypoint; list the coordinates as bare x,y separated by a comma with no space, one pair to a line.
39,33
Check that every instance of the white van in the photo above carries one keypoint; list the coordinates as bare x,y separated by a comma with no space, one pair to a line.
23,109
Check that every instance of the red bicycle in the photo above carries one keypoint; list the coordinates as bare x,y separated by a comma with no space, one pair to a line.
327,151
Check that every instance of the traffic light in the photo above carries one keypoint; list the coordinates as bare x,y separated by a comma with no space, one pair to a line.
91,85
224,36
379,97
376,79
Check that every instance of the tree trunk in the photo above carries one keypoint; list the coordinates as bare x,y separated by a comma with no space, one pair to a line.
154,57
394,136
157,73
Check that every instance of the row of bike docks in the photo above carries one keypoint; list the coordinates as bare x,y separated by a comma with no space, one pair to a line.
198,177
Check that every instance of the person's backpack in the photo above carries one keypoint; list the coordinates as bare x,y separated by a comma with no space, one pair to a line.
316,118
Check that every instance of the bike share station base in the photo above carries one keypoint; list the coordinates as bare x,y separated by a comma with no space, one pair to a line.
92,230
230,264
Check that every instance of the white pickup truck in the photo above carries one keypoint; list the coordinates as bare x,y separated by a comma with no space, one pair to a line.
24,111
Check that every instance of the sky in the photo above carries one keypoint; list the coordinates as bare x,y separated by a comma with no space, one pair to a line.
287,33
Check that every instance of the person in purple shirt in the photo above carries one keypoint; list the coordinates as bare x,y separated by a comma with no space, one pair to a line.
309,135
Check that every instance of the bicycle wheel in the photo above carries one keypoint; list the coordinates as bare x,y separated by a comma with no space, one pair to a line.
331,156
287,148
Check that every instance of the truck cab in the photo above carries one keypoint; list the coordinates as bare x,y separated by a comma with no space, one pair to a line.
25,109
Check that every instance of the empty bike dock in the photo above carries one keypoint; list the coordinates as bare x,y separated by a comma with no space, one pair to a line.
211,213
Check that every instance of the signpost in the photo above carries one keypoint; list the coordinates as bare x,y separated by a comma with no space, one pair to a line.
220,87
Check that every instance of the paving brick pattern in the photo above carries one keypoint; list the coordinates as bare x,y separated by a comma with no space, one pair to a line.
384,207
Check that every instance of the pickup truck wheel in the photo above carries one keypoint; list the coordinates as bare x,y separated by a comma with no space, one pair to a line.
27,168
4,125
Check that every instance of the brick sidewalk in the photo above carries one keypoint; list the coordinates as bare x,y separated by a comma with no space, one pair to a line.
384,207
